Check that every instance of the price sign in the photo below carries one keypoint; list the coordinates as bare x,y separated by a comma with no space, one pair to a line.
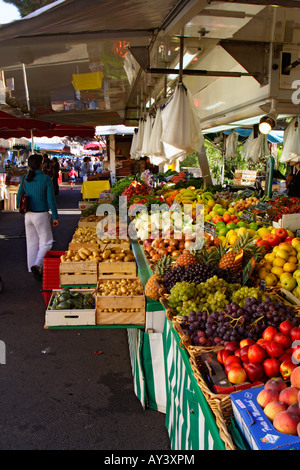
264,222
209,228
262,206
248,192
263,285
246,215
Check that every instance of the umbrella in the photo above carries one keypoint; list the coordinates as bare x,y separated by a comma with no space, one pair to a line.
94,146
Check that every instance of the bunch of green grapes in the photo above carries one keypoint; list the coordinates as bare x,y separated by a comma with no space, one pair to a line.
182,297
241,295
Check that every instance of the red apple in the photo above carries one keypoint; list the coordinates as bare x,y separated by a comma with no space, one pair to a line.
295,377
277,384
232,346
273,408
283,339
274,349
272,239
286,326
246,342
295,333
289,240
244,353
286,422
286,368
237,375
232,360
256,353
269,333
266,396
271,367
222,354
281,233
255,370
237,352
261,242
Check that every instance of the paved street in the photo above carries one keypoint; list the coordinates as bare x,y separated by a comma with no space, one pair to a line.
56,393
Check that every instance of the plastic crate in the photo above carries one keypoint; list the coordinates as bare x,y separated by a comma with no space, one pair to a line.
51,279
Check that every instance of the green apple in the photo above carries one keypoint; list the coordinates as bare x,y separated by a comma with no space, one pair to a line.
297,247
288,283
296,274
296,292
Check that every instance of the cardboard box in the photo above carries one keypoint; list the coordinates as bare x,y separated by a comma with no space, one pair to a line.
256,428
289,222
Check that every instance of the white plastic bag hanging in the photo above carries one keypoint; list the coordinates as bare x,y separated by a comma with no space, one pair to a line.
133,147
291,142
231,145
140,136
156,147
182,132
255,148
147,135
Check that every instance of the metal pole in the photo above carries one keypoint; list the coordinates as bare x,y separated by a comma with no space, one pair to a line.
28,102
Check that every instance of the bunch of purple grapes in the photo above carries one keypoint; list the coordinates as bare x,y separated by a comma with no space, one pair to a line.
196,273
235,323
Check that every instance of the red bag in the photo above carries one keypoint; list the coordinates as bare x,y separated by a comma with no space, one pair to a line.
23,200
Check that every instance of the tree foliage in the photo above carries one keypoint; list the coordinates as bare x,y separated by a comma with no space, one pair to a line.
28,6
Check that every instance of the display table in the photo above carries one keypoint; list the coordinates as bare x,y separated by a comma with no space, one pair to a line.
92,189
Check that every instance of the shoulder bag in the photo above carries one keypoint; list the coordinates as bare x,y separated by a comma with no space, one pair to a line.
23,199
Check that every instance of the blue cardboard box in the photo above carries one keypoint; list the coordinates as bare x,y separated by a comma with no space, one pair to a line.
254,425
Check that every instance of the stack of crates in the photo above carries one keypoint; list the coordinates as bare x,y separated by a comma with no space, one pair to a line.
51,279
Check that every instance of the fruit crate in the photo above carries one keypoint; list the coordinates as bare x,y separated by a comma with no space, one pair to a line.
119,309
123,245
87,222
117,269
70,317
76,246
78,273
244,177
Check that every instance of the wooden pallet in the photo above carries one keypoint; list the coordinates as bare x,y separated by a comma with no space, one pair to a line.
78,273
117,269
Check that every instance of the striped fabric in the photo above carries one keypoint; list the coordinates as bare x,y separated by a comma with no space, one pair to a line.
135,341
189,420
40,194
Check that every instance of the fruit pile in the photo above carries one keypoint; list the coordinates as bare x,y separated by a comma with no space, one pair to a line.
281,403
217,326
135,189
85,235
107,255
274,354
244,204
68,300
280,266
123,287
285,205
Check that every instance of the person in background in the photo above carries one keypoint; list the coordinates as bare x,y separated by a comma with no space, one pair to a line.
85,169
40,193
47,167
77,166
293,181
55,174
72,177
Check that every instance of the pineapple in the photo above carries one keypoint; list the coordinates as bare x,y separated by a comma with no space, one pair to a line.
185,259
152,288
239,254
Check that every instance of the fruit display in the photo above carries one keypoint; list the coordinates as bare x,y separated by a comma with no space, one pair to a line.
135,189
281,403
67,299
124,287
110,254
285,205
85,235
244,204
220,319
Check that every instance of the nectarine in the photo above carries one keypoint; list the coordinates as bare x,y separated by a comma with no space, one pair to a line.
294,407
286,422
277,384
266,396
295,378
237,375
289,395
273,408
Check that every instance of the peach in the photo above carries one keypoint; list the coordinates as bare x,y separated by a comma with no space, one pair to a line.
276,383
298,429
289,395
294,407
237,375
273,408
286,422
295,378
265,396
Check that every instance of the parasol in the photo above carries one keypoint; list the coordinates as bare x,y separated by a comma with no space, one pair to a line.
94,146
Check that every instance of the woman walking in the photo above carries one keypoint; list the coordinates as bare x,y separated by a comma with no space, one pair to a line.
40,193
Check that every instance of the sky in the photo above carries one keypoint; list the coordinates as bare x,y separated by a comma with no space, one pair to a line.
8,13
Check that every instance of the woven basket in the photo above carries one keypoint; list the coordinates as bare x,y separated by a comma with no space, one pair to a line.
220,405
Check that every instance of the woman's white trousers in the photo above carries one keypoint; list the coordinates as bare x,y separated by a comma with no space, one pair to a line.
39,237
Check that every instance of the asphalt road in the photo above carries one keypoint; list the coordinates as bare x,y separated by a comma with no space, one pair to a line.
56,393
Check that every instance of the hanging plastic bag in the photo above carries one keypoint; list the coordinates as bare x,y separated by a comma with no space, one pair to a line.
231,145
255,147
156,147
291,142
147,135
140,136
133,147
182,132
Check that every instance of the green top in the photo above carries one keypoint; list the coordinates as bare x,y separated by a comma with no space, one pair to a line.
40,193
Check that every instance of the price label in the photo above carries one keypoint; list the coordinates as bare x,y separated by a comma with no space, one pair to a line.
298,233
248,192
209,228
263,285
262,206
246,215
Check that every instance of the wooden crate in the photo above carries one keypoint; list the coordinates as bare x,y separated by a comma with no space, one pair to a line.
70,317
78,273
244,177
76,246
120,310
124,245
84,222
117,269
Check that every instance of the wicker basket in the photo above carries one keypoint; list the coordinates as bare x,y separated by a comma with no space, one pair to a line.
220,405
